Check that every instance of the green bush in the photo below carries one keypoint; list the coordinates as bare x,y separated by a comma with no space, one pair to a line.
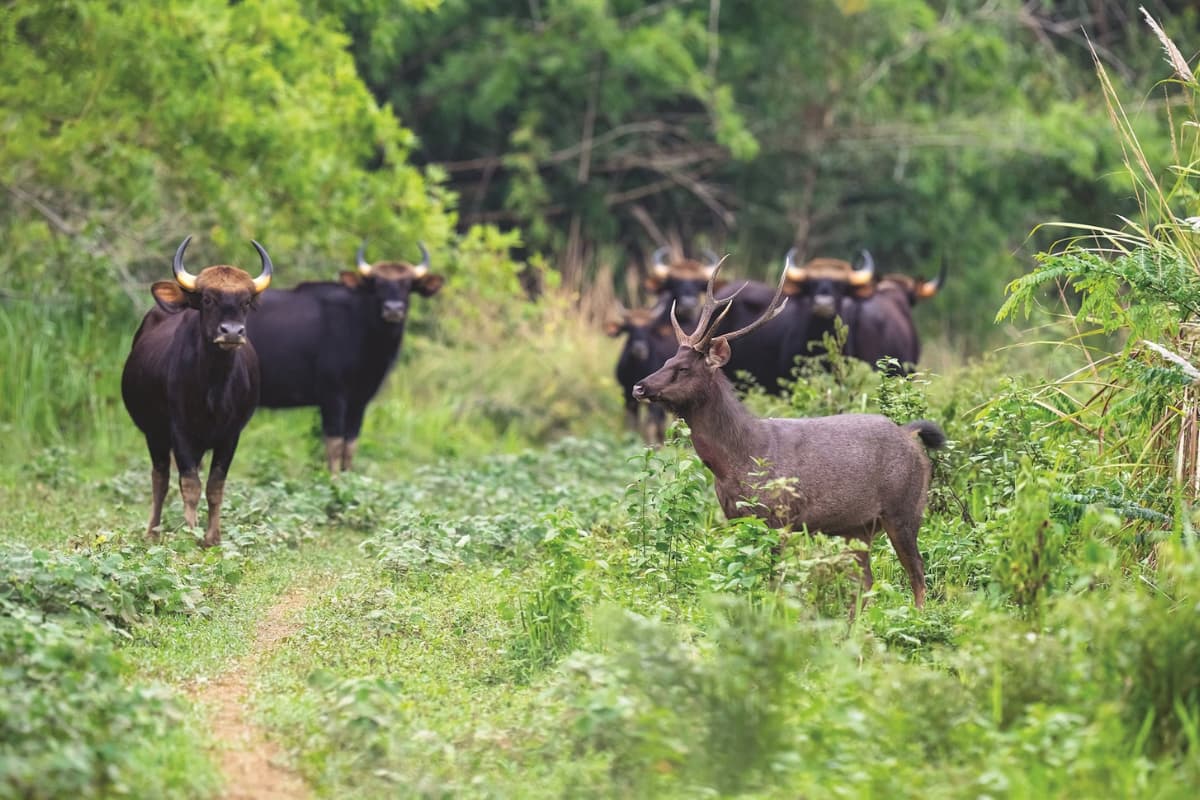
70,724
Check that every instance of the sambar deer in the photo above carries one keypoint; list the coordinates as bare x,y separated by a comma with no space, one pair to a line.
848,475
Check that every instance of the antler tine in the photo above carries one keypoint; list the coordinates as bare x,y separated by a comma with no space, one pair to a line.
773,310
680,336
706,337
706,311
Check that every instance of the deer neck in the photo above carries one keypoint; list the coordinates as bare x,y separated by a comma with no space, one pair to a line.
727,437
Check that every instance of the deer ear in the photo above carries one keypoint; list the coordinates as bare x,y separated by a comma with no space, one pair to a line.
718,353
170,296
350,280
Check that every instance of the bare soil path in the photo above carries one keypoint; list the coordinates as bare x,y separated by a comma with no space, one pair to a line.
255,768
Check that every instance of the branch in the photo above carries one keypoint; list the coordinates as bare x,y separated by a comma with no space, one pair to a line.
567,153
1177,360
714,51
56,221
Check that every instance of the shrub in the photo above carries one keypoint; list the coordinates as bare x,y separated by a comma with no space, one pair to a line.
70,726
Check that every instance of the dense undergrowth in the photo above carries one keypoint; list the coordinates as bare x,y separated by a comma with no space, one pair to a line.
579,617
516,601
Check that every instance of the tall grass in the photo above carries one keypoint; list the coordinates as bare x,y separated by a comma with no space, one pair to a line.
491,376
60,379
1140,285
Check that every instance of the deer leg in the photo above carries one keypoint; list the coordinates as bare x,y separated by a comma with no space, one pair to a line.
864,562
903,536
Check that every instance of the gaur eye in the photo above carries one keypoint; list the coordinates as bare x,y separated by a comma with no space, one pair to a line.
208,301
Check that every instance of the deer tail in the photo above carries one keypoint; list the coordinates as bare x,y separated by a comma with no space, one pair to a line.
933,437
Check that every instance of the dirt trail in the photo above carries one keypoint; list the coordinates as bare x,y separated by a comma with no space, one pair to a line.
254,767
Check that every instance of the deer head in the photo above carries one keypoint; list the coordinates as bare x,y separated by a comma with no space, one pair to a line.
690,377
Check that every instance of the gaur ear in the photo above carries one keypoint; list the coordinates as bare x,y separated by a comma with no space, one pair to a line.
665,331
613,327
863,292
170,296
351,280
718,353
428,285
652,284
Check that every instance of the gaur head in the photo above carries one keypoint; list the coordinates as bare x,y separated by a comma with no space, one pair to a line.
391,283
222,294
823,282
914,289
641,325
688,378
681,281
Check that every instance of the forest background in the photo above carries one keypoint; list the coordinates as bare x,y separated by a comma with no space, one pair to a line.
510,596
560,140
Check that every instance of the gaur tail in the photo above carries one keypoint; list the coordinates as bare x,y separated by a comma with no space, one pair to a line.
931,435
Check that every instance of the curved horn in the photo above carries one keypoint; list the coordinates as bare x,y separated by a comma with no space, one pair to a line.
795,274
264,278
773,310
423,268
661,268
184,278
360,259
863,275
930,288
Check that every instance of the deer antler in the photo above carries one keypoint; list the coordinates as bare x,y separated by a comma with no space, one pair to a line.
773,309
703,333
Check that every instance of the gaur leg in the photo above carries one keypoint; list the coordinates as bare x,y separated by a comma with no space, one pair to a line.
187,459
631,414
160,478
354,421
333,426
214,491
656,425
903,535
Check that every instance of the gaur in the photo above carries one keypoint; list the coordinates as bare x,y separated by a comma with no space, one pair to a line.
191,381
884,326
648,344
331,345
818,293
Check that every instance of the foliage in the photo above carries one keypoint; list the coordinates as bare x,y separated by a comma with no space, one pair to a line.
603,130
70,725
551,618
669,504
1138,281
712,716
